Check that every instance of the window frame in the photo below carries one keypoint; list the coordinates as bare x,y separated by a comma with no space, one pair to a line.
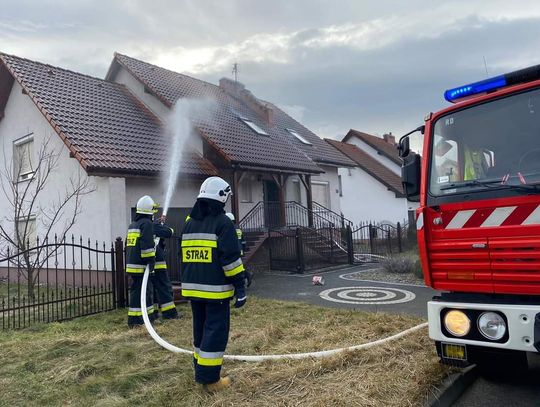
299,137
32,236
254,126
17,145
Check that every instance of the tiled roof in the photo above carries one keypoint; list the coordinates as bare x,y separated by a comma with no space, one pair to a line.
370,165
382,146
227,133
104,126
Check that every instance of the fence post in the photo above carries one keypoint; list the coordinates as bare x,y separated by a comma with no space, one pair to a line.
350,247
120,276
399,237
370,238
301,264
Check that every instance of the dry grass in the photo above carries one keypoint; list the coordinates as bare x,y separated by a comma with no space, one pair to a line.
98,361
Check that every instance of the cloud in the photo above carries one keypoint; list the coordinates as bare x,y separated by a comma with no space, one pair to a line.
375,66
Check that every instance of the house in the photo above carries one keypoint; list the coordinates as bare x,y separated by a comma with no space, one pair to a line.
372,190
110,134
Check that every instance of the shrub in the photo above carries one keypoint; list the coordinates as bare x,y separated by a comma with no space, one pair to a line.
417,270
398,264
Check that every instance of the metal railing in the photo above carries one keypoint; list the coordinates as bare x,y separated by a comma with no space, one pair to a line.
58,280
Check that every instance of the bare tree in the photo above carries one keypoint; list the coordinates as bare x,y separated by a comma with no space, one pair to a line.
24,185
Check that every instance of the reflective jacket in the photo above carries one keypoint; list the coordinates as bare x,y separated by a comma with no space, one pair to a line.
140,249
161,231
210,255
241,241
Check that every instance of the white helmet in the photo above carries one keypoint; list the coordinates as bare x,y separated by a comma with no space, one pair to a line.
230,216
215,188
146,206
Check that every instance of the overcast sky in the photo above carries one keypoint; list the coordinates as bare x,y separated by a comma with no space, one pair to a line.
375,66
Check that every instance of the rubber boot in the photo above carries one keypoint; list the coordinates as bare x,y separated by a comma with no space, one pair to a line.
220,385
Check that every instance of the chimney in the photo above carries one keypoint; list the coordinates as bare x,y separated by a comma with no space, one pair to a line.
389,138
239,91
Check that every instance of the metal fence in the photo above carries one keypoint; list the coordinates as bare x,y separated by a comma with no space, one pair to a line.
303,249
300,249
59,280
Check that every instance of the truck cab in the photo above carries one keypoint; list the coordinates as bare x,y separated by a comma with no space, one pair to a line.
478,223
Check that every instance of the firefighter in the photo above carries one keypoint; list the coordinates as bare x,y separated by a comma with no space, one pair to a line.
212,274
242,244
475,166
140,252
160,279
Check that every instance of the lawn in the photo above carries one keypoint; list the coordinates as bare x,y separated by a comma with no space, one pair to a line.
98,361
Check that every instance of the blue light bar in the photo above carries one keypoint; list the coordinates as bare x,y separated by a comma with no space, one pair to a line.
476,88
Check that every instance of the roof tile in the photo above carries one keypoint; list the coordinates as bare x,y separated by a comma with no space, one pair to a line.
228,133
371,166
385,148
102,121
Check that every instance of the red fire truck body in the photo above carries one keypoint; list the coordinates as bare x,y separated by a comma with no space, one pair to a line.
478,223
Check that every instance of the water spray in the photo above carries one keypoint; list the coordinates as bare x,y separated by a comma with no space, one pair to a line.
181,129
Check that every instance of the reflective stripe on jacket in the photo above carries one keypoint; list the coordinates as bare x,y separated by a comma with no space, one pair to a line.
210,256
140,249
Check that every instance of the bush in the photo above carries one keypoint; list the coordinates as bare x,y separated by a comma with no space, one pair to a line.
399,264
417,270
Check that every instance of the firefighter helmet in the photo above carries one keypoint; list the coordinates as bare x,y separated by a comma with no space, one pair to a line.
230,216
146,205
215,188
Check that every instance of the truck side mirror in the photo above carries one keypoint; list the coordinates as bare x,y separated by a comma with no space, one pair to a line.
404,147
410,176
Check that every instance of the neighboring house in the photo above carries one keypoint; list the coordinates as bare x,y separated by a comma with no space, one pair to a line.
112,132
372,191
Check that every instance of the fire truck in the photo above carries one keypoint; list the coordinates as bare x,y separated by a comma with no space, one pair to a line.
477,182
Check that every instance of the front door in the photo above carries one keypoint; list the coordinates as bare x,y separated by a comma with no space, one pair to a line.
271,204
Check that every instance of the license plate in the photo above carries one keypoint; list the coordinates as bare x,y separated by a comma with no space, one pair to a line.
453,351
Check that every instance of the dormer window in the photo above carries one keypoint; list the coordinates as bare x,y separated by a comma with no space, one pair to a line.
253,126
299,137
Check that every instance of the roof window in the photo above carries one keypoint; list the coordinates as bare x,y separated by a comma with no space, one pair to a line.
253,126
299,137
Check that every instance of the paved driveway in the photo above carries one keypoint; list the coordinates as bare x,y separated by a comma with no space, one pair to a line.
338,291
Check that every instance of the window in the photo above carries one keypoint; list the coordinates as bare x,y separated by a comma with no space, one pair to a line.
26,232
253,126
23,159
340,185
321,193
299,137
246,190
296,191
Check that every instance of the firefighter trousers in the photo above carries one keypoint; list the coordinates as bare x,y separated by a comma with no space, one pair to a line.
211,322
134,310
163,295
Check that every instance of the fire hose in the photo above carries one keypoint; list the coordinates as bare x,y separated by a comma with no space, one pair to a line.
262,358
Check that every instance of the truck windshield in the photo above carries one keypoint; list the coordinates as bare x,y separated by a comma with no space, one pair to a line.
495,145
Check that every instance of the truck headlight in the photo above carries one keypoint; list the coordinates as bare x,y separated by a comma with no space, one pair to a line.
491,325
457,323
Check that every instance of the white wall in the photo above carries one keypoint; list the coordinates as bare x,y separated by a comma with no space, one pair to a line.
95,221
366,199
376,155
184,195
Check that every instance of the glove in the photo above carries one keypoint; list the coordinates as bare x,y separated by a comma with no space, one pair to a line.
241,298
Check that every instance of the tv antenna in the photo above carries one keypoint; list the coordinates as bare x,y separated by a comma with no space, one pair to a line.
235,71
